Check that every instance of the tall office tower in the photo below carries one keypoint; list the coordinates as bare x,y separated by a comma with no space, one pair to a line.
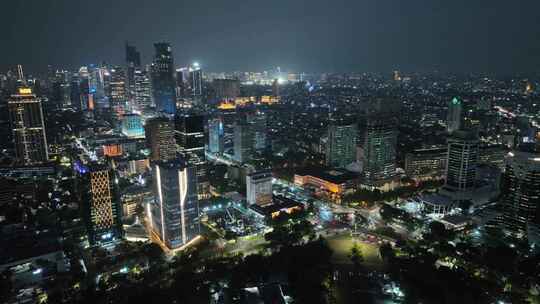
258,122
159,134
96,81
28,127
101,202
182,82
259,188
216,136
243,142
133,63
143,90
86,98
117,91
175,213
453,120
60,93
195,79
521,191
379,140
462,161
341,145
163,83
75,92
190,139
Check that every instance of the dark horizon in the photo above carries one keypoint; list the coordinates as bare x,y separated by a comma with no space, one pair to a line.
316,36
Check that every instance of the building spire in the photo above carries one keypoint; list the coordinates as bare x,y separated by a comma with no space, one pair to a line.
20,74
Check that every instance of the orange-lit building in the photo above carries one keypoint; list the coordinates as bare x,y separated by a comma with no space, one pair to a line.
330,183
269,99
231,104
112,150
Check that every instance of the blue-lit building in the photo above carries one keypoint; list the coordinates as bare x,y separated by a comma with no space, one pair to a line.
215,140
163,83
132,126
174,214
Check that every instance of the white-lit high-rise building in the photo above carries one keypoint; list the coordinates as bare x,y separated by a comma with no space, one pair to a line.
195,80
174,214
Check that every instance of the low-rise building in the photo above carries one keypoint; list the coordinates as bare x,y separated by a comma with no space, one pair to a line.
426,164
331,183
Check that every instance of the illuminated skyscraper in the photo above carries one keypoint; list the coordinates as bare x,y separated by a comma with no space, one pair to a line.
75,92
133,63
86,91
216,133
174,215
243,142
160,140
143,89
521,191
195,80
163,83
341,145
462,161
98,187
453,121
117,90
379,140
182,82
61,89
190,139
28,127
258,122
259,188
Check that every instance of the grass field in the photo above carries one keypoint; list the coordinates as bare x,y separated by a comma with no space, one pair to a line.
342,245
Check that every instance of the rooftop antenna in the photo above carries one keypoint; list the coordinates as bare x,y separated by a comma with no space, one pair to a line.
20,74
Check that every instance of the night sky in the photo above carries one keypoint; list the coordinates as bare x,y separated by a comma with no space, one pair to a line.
311,36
